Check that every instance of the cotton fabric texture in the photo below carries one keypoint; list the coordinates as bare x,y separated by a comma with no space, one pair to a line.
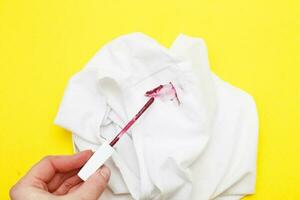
204,148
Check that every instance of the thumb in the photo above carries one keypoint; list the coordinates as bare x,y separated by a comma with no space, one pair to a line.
94,185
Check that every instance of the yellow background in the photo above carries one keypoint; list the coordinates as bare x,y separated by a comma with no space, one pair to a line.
253,44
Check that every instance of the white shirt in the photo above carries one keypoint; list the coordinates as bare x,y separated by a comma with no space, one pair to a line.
204,148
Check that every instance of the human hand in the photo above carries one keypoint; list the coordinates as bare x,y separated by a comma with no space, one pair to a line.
55,177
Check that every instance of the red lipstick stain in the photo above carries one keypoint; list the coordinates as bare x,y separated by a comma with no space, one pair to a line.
167,91
154,92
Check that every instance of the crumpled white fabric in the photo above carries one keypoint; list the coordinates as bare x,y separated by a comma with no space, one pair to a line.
204,148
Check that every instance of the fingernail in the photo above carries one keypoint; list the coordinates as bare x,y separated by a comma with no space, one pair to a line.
105,172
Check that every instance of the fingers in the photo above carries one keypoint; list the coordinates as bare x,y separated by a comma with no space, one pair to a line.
94,186
47,167
68,184
75,187
59,178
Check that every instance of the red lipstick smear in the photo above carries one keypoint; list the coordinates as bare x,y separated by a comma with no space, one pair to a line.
167,91
164,92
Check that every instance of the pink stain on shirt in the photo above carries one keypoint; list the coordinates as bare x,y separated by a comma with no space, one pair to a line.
166,92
